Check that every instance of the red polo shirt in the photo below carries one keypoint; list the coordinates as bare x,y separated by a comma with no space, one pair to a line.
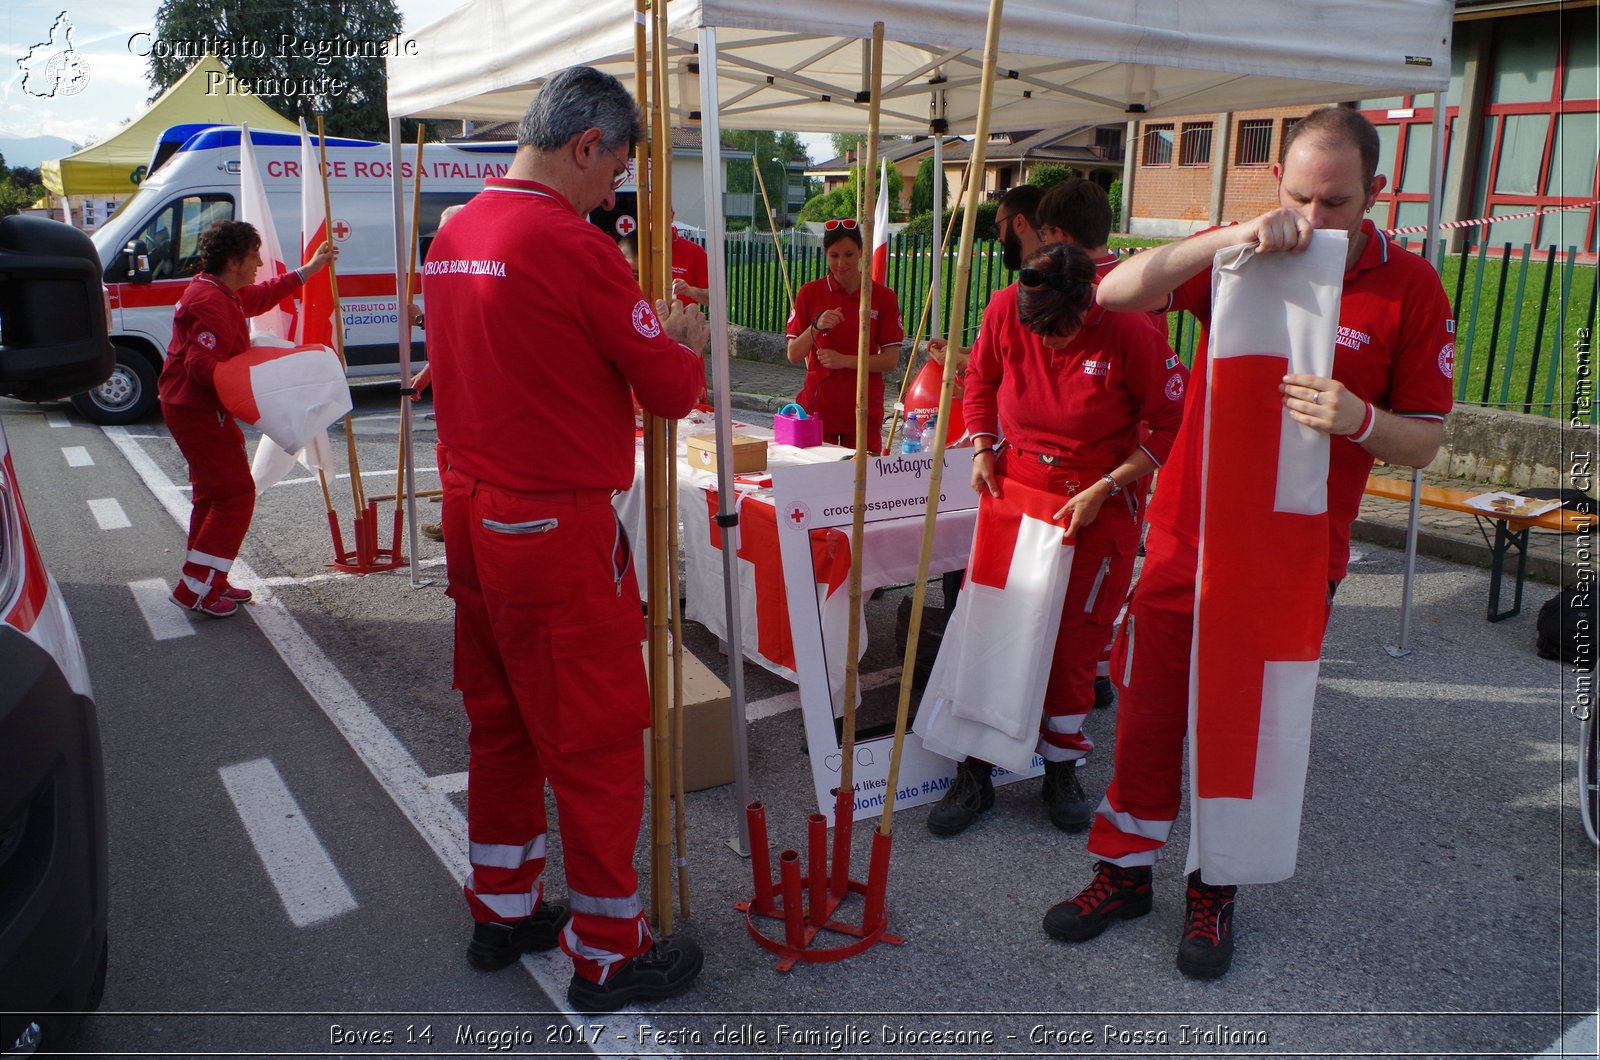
689,264
832,394
1395,348
536,331
1083,402
208,326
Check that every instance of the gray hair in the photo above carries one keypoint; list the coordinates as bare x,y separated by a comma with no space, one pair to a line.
574,100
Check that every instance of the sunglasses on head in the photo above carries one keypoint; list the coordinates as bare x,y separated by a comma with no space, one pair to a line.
1056,281
839,222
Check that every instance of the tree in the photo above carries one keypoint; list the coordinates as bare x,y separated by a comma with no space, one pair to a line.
294,56
774,151
922,189
1049,174
841,201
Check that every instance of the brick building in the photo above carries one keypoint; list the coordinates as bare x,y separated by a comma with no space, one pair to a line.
1523,133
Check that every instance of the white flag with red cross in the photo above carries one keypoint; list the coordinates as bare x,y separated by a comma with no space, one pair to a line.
986,691
1261,593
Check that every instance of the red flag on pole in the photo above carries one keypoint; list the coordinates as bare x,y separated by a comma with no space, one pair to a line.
880,230
316,297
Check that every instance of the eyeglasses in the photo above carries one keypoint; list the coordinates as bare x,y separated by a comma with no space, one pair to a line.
1056,281
840,222
1001,222
621,178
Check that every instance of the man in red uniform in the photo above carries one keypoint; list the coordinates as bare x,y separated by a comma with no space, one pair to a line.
537,334
209,326
691,272
1387,398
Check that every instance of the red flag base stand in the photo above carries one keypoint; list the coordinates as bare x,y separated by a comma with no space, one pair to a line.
804,919
366,557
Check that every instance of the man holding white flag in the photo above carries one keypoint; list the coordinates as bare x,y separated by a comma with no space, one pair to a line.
1384,397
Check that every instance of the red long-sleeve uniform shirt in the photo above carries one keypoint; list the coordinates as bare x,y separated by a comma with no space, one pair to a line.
209,325
536,332
1083,402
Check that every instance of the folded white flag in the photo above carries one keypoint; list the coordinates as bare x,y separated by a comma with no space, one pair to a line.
290,393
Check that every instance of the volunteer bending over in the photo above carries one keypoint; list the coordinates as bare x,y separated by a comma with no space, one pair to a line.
1056,390
824,332
208,327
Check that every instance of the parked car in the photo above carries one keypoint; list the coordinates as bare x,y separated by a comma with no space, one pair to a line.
54,342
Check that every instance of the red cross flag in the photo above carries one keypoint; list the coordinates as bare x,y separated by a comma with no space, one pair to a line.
880,229
316,322
1261,599
986,691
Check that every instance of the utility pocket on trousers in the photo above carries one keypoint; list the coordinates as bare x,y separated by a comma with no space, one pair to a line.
601,695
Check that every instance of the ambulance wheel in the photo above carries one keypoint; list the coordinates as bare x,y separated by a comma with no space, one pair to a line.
128,396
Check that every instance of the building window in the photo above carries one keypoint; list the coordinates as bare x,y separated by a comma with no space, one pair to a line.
1158,145
1108,142
1194,148
1255,142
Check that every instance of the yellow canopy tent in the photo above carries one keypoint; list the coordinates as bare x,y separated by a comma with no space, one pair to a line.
115,166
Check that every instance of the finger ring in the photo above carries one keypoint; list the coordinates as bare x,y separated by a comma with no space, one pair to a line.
1316,397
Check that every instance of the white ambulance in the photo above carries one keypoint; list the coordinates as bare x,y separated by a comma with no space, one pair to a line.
149,249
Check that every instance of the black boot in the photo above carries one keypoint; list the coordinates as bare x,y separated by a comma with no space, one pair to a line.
1207,947
495,945
1115,893
665,970
1069,808
969,794
1105,693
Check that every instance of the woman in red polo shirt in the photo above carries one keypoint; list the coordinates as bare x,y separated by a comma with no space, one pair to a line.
1056,390
824,332
208,327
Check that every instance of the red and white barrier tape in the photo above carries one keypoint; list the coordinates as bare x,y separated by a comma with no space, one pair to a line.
1415,229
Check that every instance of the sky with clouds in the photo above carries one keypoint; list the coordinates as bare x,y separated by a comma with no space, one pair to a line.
116,87
103,35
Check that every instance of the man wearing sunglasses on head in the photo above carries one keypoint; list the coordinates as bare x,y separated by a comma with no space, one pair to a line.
1056,391
824,333
539,343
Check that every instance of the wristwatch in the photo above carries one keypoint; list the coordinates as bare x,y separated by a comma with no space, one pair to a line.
1109,481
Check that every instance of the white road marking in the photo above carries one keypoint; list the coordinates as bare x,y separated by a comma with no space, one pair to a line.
77,456
307,880
56,419
389,473
109,514
784,702
165,619
449,783
1581,1039
431,812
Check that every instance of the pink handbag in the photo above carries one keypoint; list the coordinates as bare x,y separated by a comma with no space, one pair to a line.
791,426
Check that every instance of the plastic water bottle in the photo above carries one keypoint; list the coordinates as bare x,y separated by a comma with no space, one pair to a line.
928,433
911,438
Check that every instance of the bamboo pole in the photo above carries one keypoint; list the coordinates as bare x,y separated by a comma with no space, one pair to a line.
969,223
852,665
404,442
657,454
356,491
674,589
922,321
772,227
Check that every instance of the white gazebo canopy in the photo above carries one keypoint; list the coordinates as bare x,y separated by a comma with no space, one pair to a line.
803,66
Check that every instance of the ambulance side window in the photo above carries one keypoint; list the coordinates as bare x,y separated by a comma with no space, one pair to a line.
195,213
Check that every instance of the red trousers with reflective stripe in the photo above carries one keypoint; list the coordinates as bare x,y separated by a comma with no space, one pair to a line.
548,662
219,471
1102,570
1150,664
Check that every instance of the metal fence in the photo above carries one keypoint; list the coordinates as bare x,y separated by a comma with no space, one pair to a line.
1525,317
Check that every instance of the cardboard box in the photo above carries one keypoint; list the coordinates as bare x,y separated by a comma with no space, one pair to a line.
707,735
749,454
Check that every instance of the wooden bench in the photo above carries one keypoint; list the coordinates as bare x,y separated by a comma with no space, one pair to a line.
1509,532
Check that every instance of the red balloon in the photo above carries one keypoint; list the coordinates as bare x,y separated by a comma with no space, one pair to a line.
923,393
